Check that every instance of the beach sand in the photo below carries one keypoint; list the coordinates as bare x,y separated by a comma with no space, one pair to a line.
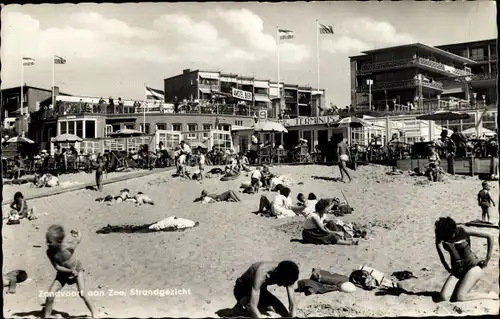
205,261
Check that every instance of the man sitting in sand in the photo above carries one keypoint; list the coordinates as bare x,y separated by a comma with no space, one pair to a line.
228,196
12,278
251,291
256,177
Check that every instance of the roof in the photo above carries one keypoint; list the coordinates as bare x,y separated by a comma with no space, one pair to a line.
426,47
18,88
452,45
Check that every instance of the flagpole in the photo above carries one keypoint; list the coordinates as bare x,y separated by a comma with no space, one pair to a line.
22,84
317,52
278,49
53,82
144,113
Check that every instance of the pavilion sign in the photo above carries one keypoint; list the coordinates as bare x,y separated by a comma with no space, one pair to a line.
316,120
242,95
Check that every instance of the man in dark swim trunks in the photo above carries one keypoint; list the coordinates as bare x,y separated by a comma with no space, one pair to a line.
466,269
251,291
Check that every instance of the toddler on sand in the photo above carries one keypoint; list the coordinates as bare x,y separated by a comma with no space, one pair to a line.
484,200
69,270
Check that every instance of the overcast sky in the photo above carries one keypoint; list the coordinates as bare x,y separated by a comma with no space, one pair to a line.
112,50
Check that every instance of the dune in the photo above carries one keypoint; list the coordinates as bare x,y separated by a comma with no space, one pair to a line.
193,272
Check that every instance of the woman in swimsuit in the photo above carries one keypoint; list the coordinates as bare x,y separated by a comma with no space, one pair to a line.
466,269
228,196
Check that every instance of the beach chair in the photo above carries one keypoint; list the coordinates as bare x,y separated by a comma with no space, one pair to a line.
303,156
281,155
265,155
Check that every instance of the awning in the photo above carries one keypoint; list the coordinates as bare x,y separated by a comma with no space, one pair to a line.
262,99
205,90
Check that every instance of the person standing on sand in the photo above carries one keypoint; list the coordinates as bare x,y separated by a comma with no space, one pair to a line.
466,269
484,201
99,173
344,153
251,291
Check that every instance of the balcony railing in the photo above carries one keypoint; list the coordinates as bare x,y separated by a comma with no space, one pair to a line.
402,85
462,80
374,67
80,108
428,106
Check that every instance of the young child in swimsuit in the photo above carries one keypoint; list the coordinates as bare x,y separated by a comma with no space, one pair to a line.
201,163
69,270
484,200
12,278
99,173
252,294
20,208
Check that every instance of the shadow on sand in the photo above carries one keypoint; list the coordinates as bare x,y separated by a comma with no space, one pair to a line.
401,291
39,314
327,178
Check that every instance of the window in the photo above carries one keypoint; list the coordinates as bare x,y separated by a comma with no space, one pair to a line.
108,130
224,127
64,127
129,126
147,130
71,127
161,126
90,129
177,127
239,123
191,128
79,129
477,54
207,127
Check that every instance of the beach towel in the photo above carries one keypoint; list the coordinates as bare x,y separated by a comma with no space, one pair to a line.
169,224
230,178
311,287
326,277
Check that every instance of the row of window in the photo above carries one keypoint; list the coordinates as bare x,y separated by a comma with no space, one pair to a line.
80,128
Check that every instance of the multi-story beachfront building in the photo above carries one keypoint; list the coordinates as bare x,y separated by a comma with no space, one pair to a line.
259,93
421,78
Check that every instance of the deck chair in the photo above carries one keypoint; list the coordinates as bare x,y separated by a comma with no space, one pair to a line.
281,155
265,155
303,155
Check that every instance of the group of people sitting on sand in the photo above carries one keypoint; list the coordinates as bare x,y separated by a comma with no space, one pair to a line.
20,210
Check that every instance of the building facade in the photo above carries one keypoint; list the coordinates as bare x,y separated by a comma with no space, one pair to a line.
263,94
422,78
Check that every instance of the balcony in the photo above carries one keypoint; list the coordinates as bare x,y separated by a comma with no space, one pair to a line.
205,86
414,62
405,84
290,98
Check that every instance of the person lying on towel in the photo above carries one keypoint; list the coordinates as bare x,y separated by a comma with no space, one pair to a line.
250,290
228,196
316,230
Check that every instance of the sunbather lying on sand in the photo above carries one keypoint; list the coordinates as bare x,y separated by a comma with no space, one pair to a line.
228,196
124,195
214,172
316,231
251,291
46,180
12,278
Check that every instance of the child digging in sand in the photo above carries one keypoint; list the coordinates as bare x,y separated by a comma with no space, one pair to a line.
251,291
69,270
20,208
484,200
12,278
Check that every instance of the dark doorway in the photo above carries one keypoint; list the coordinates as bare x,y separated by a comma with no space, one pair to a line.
291,139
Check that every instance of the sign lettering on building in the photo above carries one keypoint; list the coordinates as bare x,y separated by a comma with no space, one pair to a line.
242,95
317,120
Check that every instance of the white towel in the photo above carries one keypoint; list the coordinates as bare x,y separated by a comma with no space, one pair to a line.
173,223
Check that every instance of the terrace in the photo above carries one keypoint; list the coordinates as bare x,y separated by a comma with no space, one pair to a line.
428,64
405,84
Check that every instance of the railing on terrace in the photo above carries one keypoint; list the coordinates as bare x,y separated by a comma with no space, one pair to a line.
401,85
463,80
369,68
428,107
76,108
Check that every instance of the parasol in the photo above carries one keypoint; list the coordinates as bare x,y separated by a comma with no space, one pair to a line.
20,139
270,127
126,132
351,121
70,138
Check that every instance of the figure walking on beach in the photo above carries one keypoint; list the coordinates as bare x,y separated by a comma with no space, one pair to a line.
99,173
251,291
466,269
484,201
344,153
69,270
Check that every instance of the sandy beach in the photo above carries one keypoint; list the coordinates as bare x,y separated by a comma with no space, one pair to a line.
205,261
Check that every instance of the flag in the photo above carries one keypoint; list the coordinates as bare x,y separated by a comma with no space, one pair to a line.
325,29
28,61
59,60
285,34
154,94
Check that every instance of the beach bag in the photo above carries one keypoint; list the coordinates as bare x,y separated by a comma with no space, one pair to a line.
363,279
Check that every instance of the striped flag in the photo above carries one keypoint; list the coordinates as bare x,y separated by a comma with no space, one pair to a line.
154,94
285,34
28,61
325,29
59,60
